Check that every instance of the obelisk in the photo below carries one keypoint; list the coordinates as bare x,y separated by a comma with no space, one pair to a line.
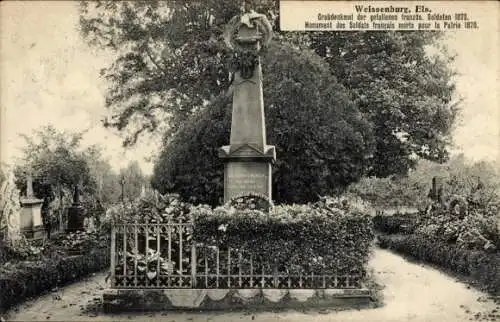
248,159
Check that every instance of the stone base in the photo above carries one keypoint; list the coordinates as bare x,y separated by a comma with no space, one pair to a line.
37,232
120,300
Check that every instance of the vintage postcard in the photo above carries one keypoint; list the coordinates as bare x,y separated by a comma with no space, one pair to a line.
250,160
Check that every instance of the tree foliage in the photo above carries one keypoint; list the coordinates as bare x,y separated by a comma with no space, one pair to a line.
406,92
55,161
171,62
321,139
170,57
107,190
133,180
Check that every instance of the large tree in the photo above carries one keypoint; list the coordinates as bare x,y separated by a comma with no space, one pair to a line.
404,90
170,57
171,61
322,141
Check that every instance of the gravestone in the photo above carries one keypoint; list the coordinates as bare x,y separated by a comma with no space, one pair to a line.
143,191
248,159
436,191
31,213
76,213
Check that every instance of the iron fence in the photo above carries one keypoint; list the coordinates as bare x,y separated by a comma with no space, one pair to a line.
164,255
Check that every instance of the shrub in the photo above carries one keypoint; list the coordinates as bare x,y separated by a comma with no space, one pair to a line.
153,208
333,137
23,280
470,229
483,267
23,249
81,242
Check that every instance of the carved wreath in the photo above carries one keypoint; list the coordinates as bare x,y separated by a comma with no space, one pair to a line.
245,59
251,20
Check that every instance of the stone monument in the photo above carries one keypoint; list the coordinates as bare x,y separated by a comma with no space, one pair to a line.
248,158
76,213
31,213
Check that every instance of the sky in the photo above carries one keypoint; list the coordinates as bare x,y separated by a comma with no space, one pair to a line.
48,75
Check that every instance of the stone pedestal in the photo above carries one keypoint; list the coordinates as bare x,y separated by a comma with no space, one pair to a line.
31,217
247,170
150,300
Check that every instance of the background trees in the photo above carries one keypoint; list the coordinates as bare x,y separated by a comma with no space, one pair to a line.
133,180
402,82
479,182
171,63
58,162
170,58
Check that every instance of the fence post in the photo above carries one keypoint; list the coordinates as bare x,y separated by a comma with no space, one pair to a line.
113,254
136,252
275,275
193,264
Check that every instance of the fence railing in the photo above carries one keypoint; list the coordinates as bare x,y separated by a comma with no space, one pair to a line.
164,255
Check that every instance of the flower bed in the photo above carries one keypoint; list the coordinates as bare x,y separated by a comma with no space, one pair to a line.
22,280
483,267
314,237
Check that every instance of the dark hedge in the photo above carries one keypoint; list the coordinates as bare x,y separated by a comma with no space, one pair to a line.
295,237
482,267
28,279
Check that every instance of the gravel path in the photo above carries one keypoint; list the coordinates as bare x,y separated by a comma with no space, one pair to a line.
413,292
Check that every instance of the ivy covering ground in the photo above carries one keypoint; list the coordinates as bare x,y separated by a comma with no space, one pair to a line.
297,237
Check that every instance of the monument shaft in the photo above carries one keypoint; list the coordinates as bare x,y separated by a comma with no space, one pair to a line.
248,124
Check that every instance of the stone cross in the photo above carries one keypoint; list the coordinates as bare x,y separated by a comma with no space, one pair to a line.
248,158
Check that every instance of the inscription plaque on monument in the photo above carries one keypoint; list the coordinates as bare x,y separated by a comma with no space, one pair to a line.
247,177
